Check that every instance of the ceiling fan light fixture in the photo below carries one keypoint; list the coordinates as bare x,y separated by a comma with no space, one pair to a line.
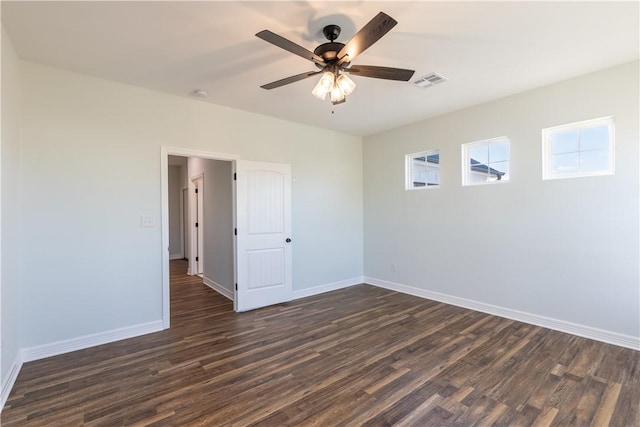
345,84
324,85
334,58
337,95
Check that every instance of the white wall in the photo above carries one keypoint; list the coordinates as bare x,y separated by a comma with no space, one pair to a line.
11,207
218,219
91,167
175,223
565,249
218,211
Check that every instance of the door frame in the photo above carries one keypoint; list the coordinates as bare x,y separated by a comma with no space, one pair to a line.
196,215
184,225
165,152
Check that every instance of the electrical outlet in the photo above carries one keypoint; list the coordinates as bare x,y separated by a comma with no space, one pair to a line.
146,221
394,267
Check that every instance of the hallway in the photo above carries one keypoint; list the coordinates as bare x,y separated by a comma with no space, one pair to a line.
191,300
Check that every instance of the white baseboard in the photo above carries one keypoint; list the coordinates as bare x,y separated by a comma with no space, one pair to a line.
60,347
328,287
596,334
218,288
177,256
10,379
301,293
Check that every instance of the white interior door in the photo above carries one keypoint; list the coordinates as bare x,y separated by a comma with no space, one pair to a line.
263,245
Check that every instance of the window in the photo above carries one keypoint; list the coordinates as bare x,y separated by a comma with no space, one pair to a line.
578,149
485,161
423,170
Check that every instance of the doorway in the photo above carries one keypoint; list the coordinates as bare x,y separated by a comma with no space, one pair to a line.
261,204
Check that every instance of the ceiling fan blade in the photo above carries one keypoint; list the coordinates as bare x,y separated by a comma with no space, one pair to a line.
289,46
368,35
291,79
386,73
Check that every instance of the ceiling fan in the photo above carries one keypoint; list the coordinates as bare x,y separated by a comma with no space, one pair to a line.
334,59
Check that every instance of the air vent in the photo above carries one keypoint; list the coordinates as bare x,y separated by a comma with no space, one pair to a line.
429,80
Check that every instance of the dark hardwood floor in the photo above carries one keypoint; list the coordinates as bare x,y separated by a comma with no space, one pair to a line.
359,356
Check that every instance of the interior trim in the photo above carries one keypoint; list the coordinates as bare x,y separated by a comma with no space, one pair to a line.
65,346
584,331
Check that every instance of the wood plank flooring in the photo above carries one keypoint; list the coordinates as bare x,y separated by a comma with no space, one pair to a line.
361,356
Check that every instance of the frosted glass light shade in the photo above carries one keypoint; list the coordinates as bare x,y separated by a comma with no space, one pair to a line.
324,85
346,84
337,95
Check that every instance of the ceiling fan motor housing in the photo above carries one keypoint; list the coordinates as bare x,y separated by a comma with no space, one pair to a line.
328,52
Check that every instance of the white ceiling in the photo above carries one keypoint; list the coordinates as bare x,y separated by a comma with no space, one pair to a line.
487,50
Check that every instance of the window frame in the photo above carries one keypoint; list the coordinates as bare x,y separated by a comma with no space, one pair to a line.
466,160
547,133
409,158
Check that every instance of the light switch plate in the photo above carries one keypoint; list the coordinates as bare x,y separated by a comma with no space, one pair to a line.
146,221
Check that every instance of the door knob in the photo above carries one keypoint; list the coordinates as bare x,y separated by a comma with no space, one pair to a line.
288,240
